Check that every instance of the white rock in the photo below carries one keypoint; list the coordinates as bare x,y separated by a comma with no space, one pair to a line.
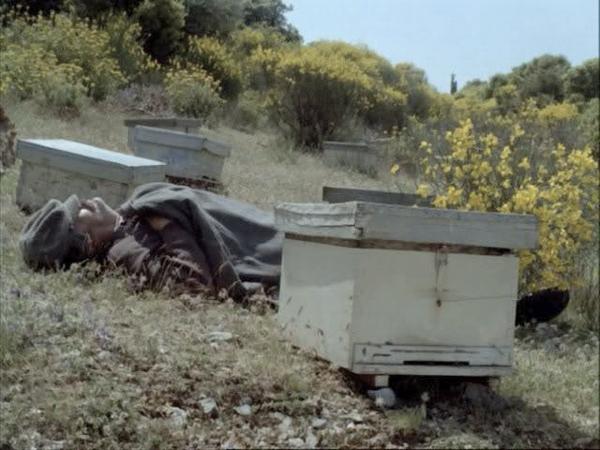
354,417
219,336
177,416
311,440
243,410
384,397
296,443
318,422
285,425
209,405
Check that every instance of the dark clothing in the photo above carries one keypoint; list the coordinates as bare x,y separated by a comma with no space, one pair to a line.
169,258
211,241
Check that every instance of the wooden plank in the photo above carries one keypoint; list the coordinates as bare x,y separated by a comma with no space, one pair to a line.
431,225
432,370
38,184
362,220
412,354
340,195
92,161
177,139
398,245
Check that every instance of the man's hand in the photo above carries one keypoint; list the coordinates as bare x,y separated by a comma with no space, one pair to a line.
158,222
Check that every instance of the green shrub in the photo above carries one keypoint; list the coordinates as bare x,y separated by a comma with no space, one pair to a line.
162,24
124,41
315,92
62,93
248,113
211,55
192,92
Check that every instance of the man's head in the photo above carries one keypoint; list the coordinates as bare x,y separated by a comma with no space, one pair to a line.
64,232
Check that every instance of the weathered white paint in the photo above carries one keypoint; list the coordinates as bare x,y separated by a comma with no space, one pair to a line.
359,155
362,220
372,310
186,155
191,126
56,168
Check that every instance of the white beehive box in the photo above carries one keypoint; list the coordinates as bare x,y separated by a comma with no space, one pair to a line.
363,156
187,156
191,126
389,289
57,168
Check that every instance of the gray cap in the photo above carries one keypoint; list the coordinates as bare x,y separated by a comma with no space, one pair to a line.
48,239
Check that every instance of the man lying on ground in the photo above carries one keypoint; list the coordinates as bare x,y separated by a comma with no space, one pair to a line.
164,236
186,240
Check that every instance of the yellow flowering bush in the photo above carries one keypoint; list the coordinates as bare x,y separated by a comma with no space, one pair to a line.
559,187
192,91
69,41
316,91
212,56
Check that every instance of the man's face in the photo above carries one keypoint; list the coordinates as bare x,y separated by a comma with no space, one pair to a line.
96,220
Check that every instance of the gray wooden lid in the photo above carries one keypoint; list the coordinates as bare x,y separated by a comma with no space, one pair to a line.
334,145
96,162
163,121
333,194
364,220
178,139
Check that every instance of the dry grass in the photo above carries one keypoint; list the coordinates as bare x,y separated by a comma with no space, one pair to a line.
85,364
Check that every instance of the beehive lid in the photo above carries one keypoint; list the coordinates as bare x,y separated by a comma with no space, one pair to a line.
376,221
163,122
339,145
92,161
178,139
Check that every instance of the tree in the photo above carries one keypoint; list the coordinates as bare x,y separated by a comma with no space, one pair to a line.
453,84
94,9
542,78
585,79
162,24
271,13
215,18
33,7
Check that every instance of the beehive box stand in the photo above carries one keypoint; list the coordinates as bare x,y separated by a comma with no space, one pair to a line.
190,126
187,156
395,290
57,168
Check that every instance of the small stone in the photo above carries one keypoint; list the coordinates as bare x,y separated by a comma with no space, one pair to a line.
285,425
243,410
209,406
296,443
318,423
177,417
219,336
384,397
311,440
354,417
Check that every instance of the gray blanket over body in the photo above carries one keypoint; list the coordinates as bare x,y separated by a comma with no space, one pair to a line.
240,242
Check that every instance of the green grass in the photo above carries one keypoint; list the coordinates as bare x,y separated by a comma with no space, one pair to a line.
86,364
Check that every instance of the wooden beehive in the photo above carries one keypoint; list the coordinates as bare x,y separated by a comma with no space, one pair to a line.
385,289
57,168
363,156
340,195
190,126
187,156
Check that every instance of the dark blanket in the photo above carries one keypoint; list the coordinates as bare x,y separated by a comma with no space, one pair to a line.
240,242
